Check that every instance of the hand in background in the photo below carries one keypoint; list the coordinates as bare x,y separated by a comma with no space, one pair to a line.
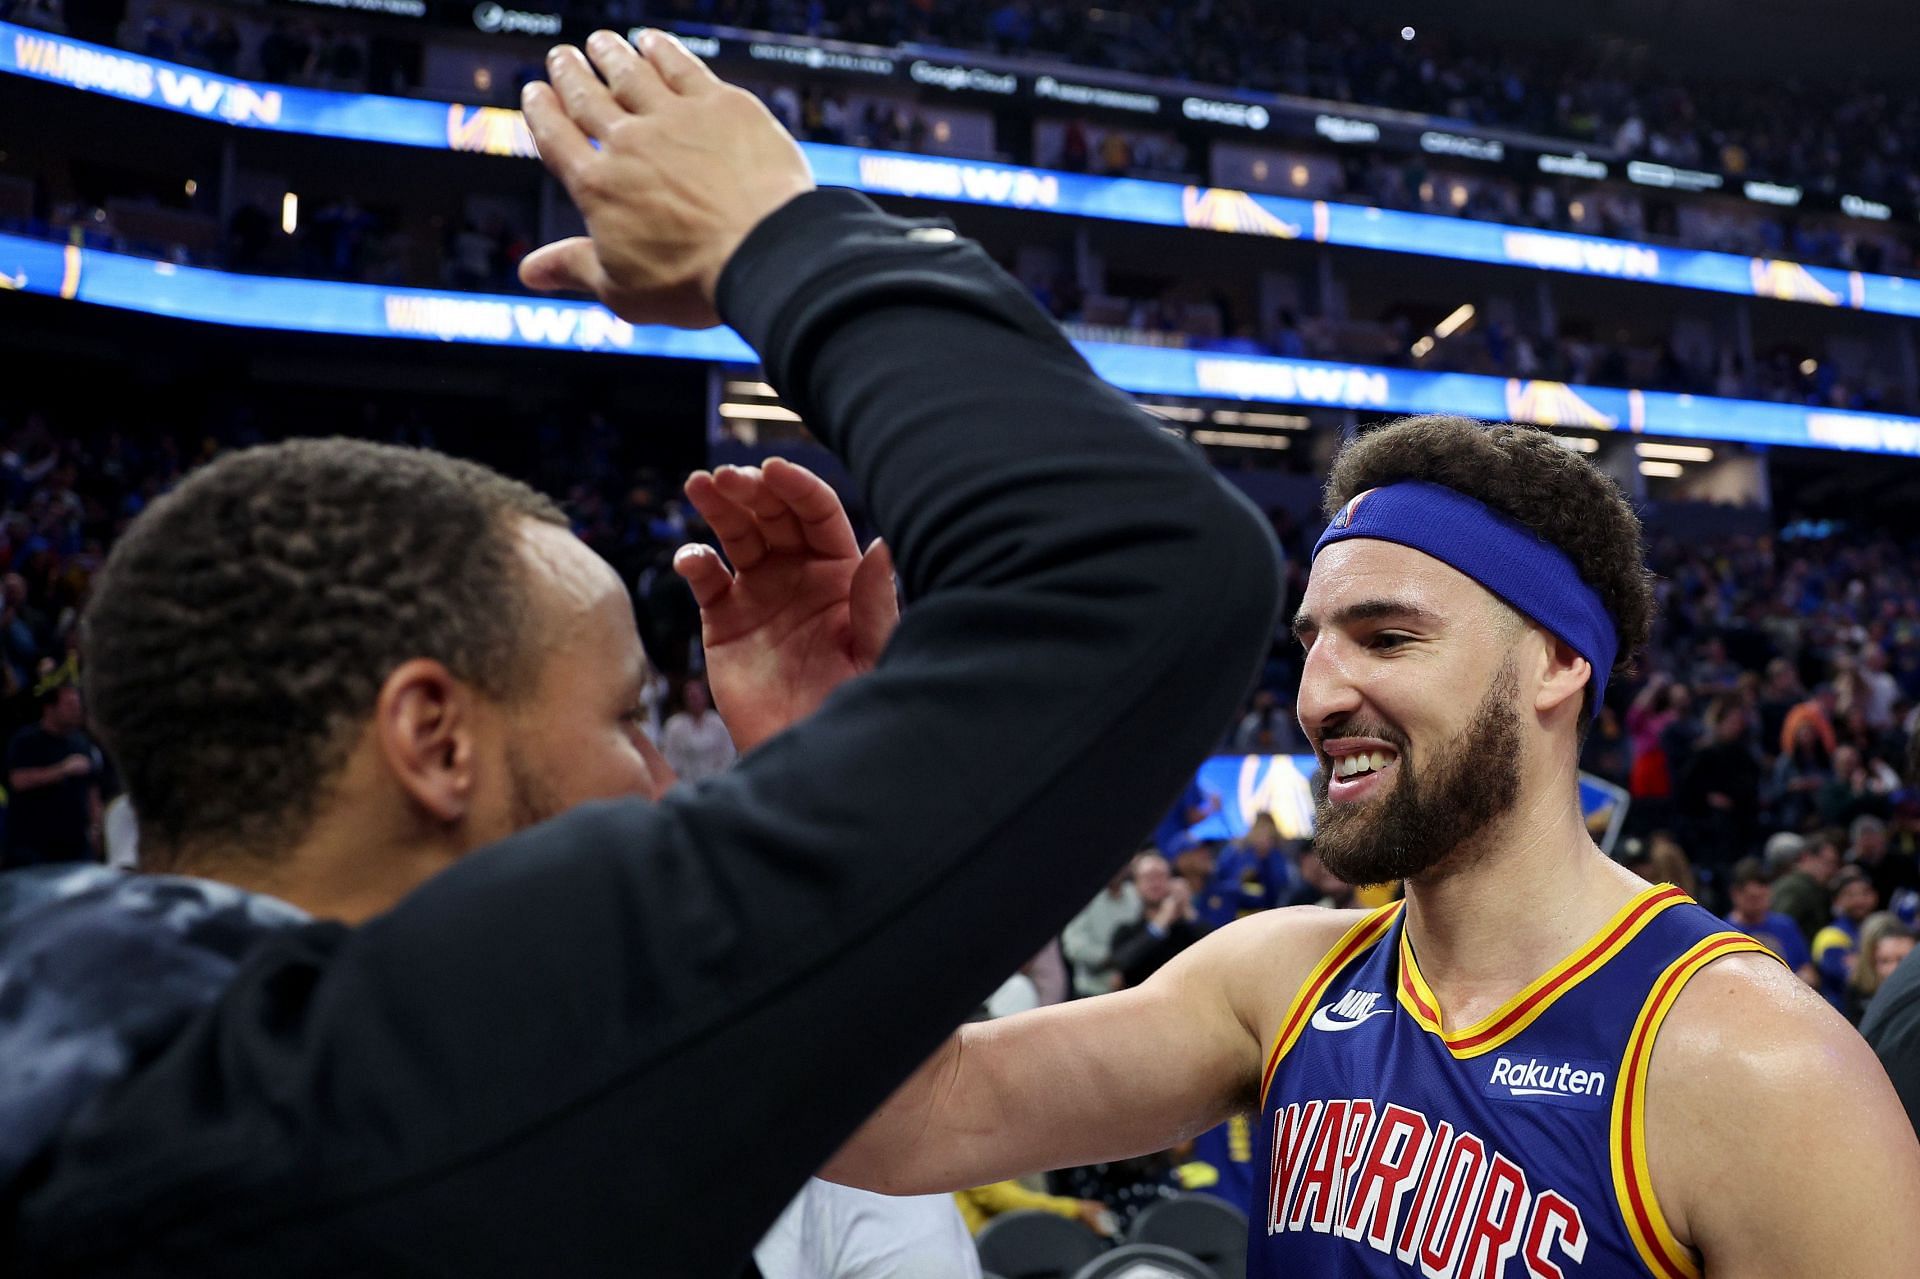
686,166
802,610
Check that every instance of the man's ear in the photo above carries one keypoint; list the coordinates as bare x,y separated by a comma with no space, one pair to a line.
424,724
1564,676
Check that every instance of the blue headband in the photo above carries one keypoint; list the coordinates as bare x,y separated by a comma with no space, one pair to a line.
1527,572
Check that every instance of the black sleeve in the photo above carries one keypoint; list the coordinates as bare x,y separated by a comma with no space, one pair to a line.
619,1042
1892,1028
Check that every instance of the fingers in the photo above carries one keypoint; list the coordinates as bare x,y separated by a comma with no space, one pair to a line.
563,148
739,532
589,104
702,570
564,265
822,519
634,82
677,65
873,606
746,486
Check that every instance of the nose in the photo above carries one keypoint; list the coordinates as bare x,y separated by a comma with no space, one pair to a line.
1328,691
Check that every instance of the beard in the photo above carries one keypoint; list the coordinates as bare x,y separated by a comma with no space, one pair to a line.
530,800
1422,820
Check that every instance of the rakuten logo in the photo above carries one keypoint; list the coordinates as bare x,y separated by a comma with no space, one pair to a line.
1575,1083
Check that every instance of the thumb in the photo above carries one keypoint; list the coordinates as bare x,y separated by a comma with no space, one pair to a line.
873,607
567,265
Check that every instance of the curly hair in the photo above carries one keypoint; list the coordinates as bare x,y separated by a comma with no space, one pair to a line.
1521,472
244,623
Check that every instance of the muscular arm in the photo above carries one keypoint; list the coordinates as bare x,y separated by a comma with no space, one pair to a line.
635,1031
1095,1079
1777,1146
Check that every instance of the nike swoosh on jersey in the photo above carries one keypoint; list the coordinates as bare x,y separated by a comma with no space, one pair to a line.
1324,1020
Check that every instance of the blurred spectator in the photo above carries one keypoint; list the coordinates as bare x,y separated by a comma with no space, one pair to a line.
1250,874
1804,893
1892,875
1720,789
1319,886
1752,915
1127,1187
1088,939
694,740
1836,946
53,782
983,1203
839,1232
1884,942
1168,924
1268,728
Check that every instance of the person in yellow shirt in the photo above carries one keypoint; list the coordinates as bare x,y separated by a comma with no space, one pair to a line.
983,1203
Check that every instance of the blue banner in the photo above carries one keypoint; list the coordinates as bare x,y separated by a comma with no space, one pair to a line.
366,310
498,131
1237,788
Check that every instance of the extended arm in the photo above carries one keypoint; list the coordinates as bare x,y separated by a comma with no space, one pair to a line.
1095,1079
578,1025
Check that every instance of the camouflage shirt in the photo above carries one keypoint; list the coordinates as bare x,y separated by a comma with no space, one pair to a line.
99,969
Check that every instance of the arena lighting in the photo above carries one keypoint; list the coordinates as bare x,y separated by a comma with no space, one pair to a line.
1809,367
1421,347
1241,440
759,412
193,188
1461,317
494,131
289,213
1406,33
1662,470
752,388
1577,443
1176,412
1675,452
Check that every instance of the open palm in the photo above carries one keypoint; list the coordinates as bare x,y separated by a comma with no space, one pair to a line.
800,611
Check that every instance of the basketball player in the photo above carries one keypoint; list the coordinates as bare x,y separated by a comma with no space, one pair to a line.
1536,1064
383,1018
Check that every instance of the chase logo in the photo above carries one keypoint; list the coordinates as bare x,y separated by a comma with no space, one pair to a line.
1579,1084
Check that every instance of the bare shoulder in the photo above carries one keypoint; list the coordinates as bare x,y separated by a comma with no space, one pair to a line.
1763,1104
1259,963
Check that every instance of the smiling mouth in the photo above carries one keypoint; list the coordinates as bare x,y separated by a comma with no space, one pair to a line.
1360,764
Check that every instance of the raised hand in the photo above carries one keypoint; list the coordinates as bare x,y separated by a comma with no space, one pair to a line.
686,165
800,612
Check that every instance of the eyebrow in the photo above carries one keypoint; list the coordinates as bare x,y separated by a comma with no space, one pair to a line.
1374,610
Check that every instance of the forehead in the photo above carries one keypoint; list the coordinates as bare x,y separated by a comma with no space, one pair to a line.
1366,568
578,602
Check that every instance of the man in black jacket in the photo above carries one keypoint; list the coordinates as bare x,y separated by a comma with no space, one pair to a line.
381,1023
1168,922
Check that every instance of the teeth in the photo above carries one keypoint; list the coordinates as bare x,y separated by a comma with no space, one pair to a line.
1364,762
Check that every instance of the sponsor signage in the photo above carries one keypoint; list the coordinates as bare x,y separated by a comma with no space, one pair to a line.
813,57
1576,165
497,131
960,78
496,19
1772,193
1463,145
1855,207
1238,115
1093,95
1345,129
1647,173
385,8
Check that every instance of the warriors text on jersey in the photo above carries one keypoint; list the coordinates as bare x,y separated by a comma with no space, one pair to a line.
1513,1147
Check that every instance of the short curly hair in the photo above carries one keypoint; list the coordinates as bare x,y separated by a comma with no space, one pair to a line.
244,623
1521,472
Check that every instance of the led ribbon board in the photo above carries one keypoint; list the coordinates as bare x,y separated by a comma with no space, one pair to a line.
498,131
366,310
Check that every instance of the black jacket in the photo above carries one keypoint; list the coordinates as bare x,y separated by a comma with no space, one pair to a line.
617,1043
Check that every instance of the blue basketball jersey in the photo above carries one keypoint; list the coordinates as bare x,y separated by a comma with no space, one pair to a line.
1390,1145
